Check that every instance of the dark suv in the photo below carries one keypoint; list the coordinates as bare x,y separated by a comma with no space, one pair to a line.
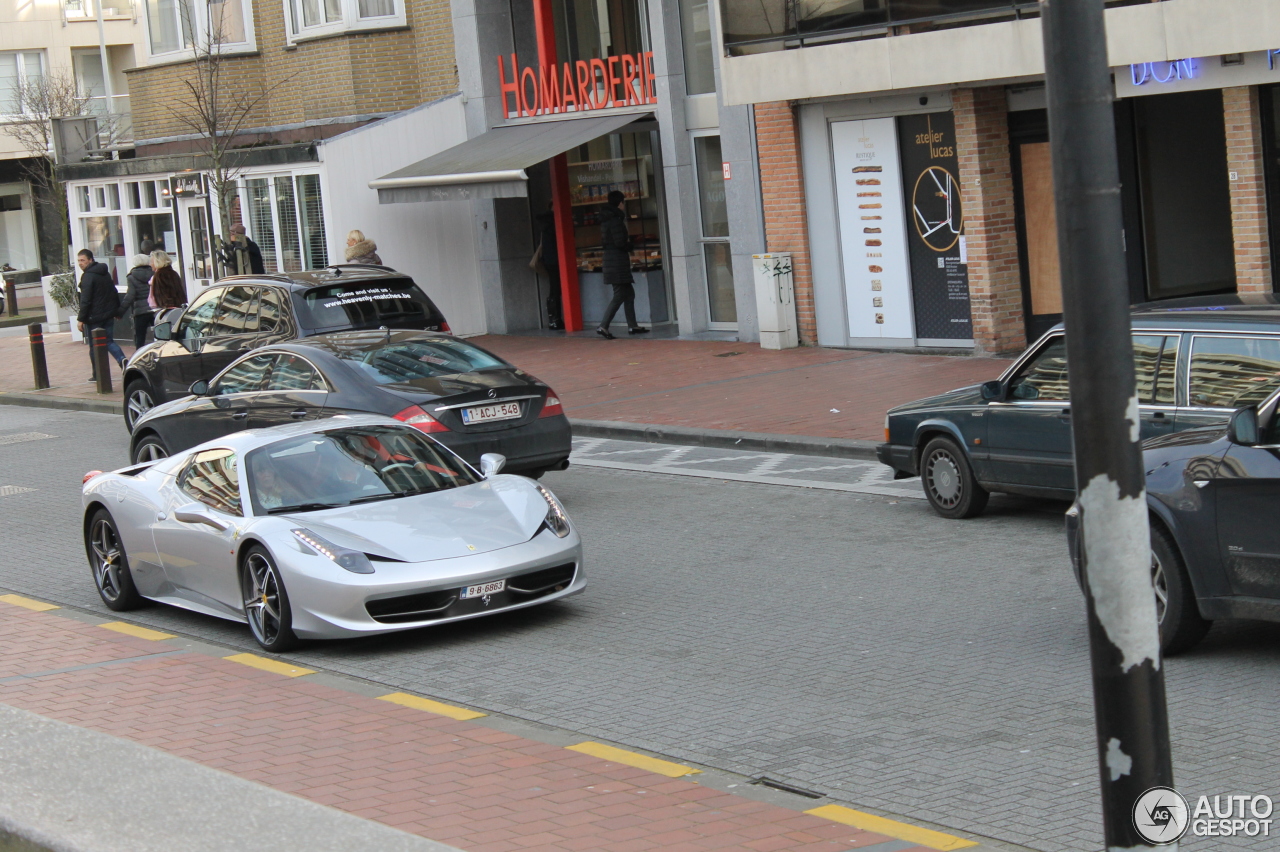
243,312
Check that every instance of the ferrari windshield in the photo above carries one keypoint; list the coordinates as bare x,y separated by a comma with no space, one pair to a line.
339,467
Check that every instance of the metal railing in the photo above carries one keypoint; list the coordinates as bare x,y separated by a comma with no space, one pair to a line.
117,122
87,10
755,26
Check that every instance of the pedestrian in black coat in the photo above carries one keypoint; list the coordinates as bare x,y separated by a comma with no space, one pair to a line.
240,242
617,266
136,301
99,305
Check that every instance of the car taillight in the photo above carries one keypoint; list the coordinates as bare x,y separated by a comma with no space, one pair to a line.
421,420
444,326
552,406
90,475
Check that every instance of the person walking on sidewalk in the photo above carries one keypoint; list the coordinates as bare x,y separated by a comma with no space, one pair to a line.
360,250
137,299
167,290
617,266
99,306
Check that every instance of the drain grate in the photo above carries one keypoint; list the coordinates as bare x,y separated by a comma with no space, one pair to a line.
775,784
20,437
10,490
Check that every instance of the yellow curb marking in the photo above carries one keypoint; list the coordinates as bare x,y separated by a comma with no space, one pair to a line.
631,758
892,828
28,603
134,630
404,699
266,665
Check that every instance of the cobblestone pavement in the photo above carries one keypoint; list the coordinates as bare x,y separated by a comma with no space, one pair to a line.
849,643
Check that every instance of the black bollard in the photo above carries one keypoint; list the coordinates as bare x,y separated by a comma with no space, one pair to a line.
38,365
101,360
11,298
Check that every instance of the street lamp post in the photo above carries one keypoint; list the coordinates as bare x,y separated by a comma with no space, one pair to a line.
1128,681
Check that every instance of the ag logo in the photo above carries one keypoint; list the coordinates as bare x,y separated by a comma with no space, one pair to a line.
1161,816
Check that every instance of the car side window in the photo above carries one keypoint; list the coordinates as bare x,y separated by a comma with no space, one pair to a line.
198,319
249,375
238,313
213,478
1045,375
294,373
268,310
1155,361
1232,372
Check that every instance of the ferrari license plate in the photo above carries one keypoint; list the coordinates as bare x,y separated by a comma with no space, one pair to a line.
487,413
483,589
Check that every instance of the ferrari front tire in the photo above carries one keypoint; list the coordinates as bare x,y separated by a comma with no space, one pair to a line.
266,603
110,563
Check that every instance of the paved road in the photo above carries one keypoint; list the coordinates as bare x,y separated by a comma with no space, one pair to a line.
850,643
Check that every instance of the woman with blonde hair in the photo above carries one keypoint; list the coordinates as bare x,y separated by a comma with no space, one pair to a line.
167,289
360,250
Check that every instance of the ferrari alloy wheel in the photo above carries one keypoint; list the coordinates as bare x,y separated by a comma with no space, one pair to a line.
150,449
266,605
1181,625
949,482
110,564
137,402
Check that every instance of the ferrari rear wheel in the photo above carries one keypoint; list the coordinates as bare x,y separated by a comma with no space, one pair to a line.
110,564
266,604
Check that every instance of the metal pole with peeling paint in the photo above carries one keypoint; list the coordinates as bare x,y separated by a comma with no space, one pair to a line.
1128,682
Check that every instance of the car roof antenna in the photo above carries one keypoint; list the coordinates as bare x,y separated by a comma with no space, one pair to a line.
387,330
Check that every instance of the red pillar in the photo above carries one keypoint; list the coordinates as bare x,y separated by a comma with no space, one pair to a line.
567,250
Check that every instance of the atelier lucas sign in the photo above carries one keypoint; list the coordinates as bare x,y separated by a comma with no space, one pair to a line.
587,84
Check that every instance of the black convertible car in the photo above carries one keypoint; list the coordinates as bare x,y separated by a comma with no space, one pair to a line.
1213,495
468,399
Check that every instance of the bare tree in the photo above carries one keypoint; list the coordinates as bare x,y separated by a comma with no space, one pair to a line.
42,99
218,105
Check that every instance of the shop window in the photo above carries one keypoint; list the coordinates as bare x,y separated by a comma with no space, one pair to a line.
18,69
175,26
286,220
699,57
152,231
1269,105
622,162
312,18
1185,199
82,198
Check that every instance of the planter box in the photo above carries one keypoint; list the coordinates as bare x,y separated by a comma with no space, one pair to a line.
56,318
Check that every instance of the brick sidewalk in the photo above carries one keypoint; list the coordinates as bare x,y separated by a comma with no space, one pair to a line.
458,782
693,383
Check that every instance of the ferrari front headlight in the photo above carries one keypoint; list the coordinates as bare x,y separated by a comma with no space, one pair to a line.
353,560
557,519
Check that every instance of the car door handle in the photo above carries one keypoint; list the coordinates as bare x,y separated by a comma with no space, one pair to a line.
239,415
298,414
196,517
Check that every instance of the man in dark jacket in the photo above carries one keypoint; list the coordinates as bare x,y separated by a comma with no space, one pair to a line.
136,301
99,306
242,255
617,266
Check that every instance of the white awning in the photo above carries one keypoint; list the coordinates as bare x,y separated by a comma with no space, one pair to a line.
493,164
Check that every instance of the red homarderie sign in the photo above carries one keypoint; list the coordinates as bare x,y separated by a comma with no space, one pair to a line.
587,84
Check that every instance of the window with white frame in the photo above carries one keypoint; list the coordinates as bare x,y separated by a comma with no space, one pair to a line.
179,26
284,215
18,68
308,18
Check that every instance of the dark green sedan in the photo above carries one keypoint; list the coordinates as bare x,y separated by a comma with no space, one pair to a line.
1197,361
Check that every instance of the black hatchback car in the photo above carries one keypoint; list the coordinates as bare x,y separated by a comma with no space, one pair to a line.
244,312
466,398
1197,361
1212,495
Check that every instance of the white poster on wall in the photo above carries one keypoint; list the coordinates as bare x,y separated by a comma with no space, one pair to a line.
873,238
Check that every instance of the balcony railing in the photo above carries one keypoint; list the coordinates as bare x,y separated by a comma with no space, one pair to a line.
115,125
756,26
87,10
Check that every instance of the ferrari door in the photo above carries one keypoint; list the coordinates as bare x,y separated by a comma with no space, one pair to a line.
196,529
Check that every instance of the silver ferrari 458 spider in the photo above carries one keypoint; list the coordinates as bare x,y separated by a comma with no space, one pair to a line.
333,528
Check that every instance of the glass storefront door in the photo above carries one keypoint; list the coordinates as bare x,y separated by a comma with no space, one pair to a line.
716,257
